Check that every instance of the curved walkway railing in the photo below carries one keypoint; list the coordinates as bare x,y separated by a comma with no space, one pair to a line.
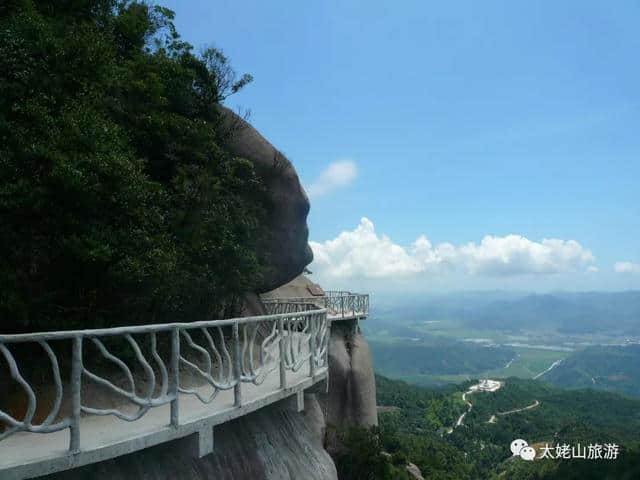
175,379
339,304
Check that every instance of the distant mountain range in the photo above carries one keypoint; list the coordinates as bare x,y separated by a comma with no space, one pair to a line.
588,312
570,313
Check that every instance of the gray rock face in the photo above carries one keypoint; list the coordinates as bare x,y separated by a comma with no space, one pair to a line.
286,233
252,306
301,286
352,389
274,443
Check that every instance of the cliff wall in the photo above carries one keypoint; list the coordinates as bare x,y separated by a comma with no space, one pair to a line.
276,442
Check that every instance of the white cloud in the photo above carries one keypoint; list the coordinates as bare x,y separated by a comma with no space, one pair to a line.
626,267
337,174
363,253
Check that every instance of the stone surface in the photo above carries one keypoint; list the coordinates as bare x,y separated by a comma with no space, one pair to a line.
285,233
301,286
352,389
274,443
252,305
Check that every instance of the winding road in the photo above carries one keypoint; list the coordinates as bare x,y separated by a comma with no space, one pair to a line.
469,404
551,367
493,418
508,364
483,386
516,410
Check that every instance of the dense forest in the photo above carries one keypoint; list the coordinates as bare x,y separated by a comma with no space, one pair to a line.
414,420
118,201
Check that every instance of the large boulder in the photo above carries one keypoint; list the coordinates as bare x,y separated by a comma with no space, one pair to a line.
352,387
285,234
301,286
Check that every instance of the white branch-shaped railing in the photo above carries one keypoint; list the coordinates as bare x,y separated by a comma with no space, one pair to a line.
223,354
337,303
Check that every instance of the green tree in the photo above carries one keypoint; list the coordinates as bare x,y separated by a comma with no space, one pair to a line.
361,457
118,201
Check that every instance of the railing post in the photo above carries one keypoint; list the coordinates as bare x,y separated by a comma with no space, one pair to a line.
76,394
312,345
283,371
342,305
237,366
175,377
326,352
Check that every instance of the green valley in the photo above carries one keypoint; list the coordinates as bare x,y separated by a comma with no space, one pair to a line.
443,356
612,368
416,429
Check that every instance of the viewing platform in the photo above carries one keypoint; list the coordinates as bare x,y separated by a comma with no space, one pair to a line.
175,380
340,305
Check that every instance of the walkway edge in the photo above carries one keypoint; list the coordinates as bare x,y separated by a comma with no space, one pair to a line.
50,465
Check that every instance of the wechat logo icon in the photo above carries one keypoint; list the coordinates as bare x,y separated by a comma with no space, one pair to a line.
522,449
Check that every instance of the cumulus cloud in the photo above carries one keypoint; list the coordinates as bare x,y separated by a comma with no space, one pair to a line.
626,267
338,174
364,253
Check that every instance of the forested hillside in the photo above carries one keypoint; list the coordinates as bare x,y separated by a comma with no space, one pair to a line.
613,368
415,430
118,201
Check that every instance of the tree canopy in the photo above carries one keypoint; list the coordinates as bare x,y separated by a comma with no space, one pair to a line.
118,201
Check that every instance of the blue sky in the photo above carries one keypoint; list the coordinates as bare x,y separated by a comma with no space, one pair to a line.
454,120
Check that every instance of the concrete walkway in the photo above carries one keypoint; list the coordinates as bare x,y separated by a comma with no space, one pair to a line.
28,455
23,454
